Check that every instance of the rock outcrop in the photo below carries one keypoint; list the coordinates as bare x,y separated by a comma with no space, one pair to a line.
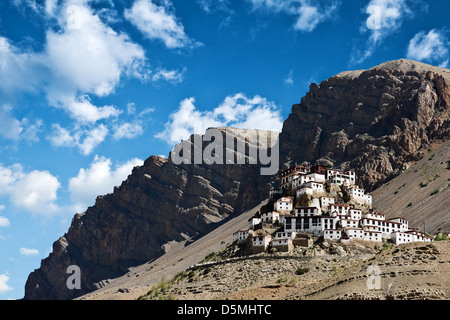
375,120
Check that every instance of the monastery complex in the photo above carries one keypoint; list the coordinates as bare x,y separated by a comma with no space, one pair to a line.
321,202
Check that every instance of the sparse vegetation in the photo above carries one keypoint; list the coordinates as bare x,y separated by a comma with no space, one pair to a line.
434,192
285,279
441,236
409,205
386,245
301,270
423,185
158,290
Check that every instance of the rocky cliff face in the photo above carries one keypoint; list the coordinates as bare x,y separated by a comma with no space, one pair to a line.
374,121
158,203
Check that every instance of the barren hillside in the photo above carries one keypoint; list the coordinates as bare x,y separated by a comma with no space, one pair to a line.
413,271
178,257
421,193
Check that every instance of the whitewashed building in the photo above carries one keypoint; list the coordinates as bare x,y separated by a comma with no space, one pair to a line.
241,235
359,196
355,214
270,217
311,188
260,242
332,234
341,177
307,211
253,221
288,175
311,224
409,237
275,192
283,241
299,180
338,210
326,201
284,204
336,222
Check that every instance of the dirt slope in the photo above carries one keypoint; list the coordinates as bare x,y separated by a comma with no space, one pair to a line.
178,258
410,194
413,271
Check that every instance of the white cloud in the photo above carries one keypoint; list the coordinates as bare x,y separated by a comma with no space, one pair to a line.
309,14
10,127
93,138
81,109
13,129
85,138
210,6
3,283
128,130
98,179
384,17
88,57
157,22
35,191
19,70
290,78
4,222
235,111
173,76
81,56
430,47
28,252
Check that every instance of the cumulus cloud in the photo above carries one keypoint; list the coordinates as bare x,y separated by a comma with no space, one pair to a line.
85,56
128,130
158,23
431,47
4,222
15,130
82,58
86,139
384,18
28,252
19,70
4,287
235,111
173,76
35,191
309,14
100,178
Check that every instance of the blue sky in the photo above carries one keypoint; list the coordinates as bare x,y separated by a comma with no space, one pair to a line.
89,89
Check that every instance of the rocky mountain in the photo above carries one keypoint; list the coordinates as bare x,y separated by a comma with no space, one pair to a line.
377,121
160,202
